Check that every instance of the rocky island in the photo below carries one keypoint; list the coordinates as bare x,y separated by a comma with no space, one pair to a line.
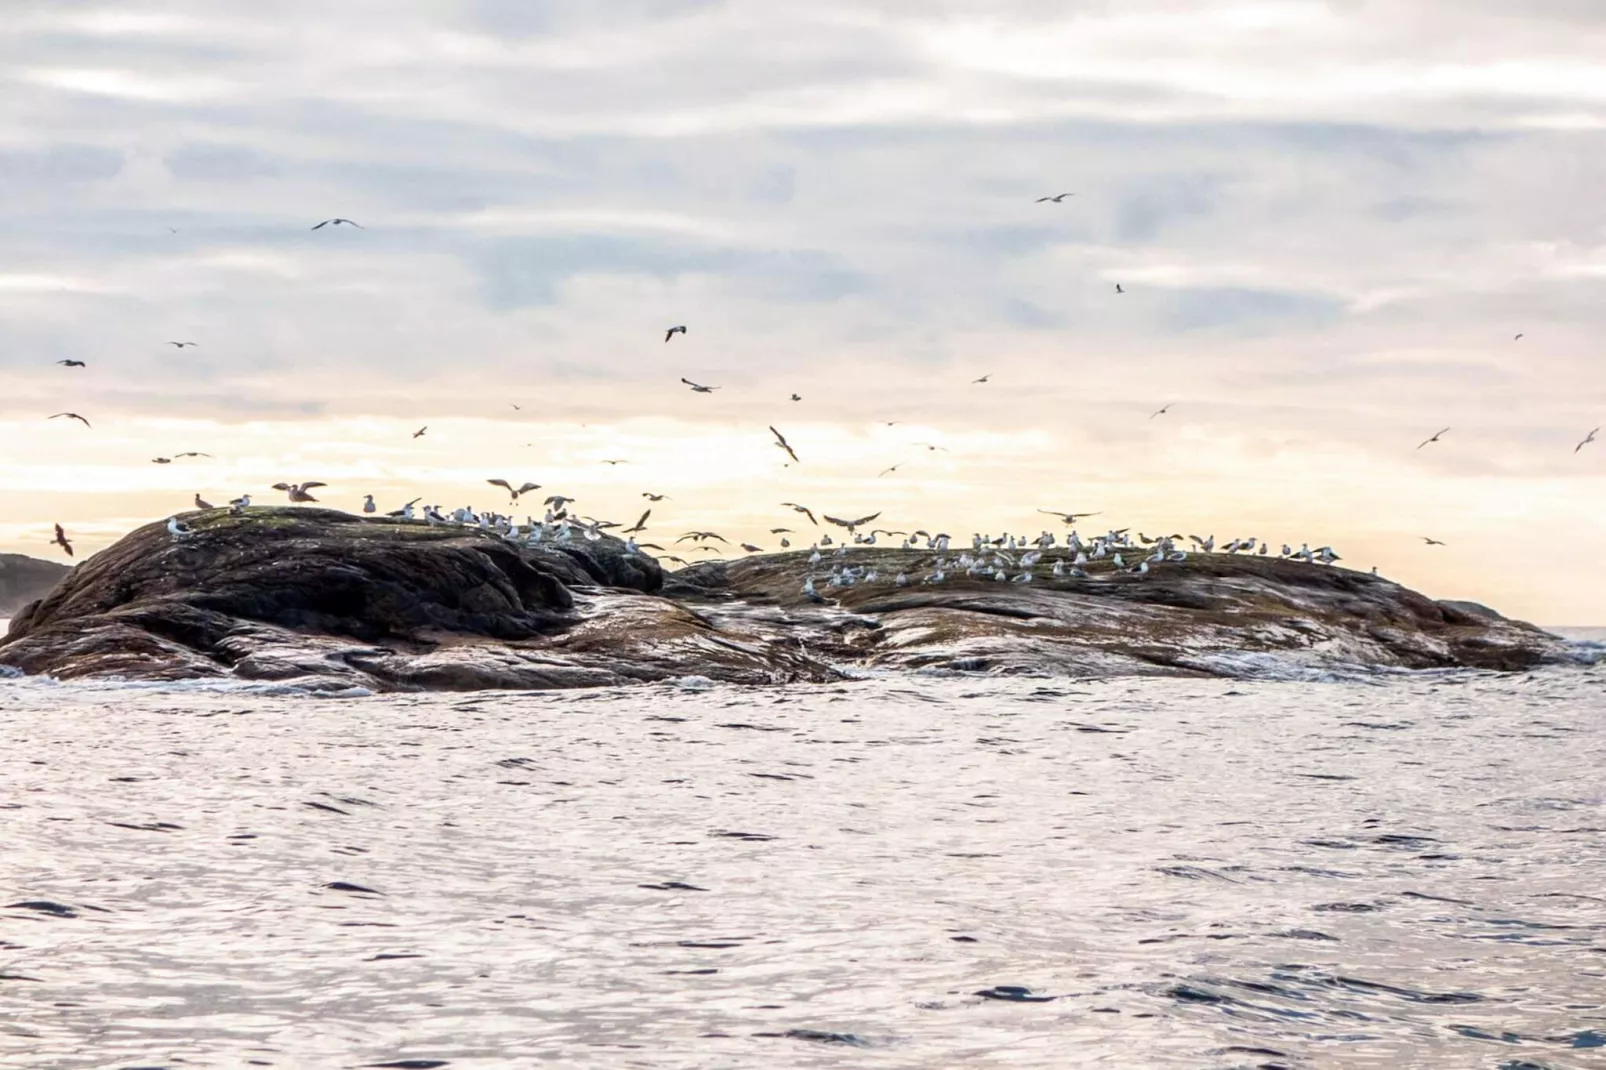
329,601
25,579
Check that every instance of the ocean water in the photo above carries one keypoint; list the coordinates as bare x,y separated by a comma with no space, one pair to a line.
1401,871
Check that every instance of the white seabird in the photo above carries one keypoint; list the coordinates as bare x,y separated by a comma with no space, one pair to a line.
178,529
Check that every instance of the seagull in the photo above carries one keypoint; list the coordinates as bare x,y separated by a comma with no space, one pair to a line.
190,453
178,530
1431,542
1069,518
368,505
297,491
699,536
796,508
72,416
557,501
615,462
1118,289
889,471
698,388
161,460
1518,338
750,548
336,222
419,433
851,524
202,503
180,345
674,331
1435,438
1162,410
240,504
509,487
1587,440
72,363
930,446
62,541
651,497
797,397
780,440
640,525
1056,199
782,531
983,379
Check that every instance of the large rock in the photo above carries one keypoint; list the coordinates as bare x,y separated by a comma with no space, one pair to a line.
25,579
321,599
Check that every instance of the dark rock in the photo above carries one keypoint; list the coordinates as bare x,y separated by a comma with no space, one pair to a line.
24,580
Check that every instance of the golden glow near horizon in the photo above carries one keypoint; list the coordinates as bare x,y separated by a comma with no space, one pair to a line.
1330,225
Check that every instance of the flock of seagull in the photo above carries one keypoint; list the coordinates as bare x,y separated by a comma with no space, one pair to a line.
558,525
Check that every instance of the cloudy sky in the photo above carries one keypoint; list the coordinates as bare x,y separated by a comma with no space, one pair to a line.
1330,219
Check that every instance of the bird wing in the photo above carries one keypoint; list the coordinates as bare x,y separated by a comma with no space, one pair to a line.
501,483
309,486
320,226
60,534
688,382
867,519
1063,516
529,487
641,524
833,520
669,334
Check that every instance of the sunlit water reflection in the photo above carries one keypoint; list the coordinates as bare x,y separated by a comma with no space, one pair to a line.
1403,872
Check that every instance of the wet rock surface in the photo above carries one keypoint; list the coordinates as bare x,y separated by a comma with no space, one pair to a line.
25,579
322,599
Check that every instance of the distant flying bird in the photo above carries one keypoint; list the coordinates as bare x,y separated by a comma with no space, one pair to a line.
780,440
337,222
180,345
1431,542
983,379
72,416
420,431
72,363
781,531
298,491
1056,198
698,388
161,460
202,503
640,525
931,446
797,397
674,331
1069,518
191,453
889,471
1518,338
796,508
557,501
615,462
62,541
750,548
1118,289
651,497
509,487
1435,438
700,536
1162,410
515,407
1587,440
851,524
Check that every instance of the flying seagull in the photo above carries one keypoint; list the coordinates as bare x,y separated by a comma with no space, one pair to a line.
509,487
699,536
336,222
750,548
298,491
202,503
640,525
615,462
796,508
1069,518
780,440
651,497
698,388
420,431
72,364
674,331
1118,289
1056,199
1587,440
889,471
983,379
931,447
72,416
1518,338
1435,438
1162,410
190,453
851,524
797,397
62,541
1431,542
180,345
782,531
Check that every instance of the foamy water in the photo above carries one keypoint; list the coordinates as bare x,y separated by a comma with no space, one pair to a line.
923,872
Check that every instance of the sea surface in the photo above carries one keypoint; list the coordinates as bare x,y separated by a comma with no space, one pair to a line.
1393,870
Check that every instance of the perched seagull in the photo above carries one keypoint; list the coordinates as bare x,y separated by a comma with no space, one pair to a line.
180,345
1431,542
651,497
1118,289
504,484
796,508
1587,440
983,379
178,530
240,504
297,491
780,440
419,433
674,331
1056,199
1435,438
1162,410
72,416
62,541
72,363
1069,518
698,388
202,503
640,525
337,222
368,505
797,397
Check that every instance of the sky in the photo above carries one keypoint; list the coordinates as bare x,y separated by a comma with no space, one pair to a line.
1330,220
